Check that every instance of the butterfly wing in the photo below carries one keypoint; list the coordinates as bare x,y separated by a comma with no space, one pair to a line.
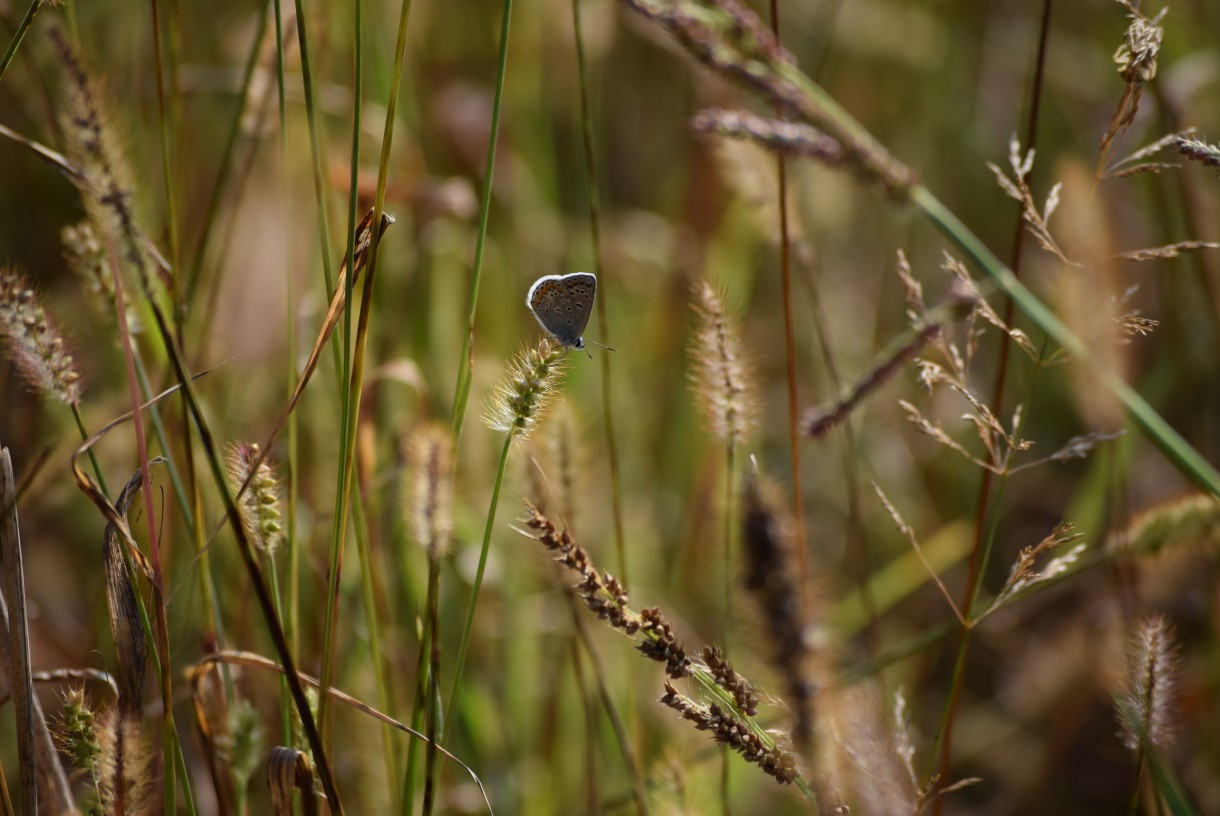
562,305
581,288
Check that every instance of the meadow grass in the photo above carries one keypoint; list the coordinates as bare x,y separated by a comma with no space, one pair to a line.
897,492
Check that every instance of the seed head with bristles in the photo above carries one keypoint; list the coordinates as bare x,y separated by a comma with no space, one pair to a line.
259,504
240,747
86,257
521,399
429,453
33,342
76,732
1199,150
720,370
93,148
769,547
1146,703
125,764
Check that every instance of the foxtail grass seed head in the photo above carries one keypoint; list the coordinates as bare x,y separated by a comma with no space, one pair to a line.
770,573
93,148
870,760
259,505
1191,521
125,766
721,374
76,732
240,747
85,256
521,399
1147,701
33,342
429,500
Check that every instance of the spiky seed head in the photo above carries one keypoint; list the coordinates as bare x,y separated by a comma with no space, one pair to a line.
721,373
75,731
429,499
1147,701
521,399
240,747
34,343
259,505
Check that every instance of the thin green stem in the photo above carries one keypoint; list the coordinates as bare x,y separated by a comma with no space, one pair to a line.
595,231
460,663
351,396
193,273
466,362
84,435
794,435
19,35
727,526
381,664
319,179
433,684
978,558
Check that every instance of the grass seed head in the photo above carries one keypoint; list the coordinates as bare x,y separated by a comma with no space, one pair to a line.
429,454
1147,701
259,505
522,398
34,343
721,374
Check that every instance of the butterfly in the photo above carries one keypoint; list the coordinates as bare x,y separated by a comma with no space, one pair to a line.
562,304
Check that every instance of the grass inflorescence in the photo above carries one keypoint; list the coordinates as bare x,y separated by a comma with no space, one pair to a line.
821,533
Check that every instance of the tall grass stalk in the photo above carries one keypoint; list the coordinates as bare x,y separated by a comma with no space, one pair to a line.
977,568
195,270
461,392
22,29
593,188
315,147
351,380
165,125
460,661
794,438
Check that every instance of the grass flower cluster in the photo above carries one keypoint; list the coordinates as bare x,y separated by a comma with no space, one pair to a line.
894,441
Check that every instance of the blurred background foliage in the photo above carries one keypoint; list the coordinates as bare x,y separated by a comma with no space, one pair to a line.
942,84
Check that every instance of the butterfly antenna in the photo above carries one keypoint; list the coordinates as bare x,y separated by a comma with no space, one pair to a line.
594,342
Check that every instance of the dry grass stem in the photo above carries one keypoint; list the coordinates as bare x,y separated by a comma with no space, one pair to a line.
1136,59
1024,574
607,598
731,722
906,530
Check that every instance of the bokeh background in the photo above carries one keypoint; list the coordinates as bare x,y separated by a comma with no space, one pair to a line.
943,85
